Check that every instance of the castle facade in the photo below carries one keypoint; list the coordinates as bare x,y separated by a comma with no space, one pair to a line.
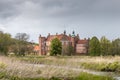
79,46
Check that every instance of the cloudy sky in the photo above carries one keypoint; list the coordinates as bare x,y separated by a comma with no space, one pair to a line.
86,17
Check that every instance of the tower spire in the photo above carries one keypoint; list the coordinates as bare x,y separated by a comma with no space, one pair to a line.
73,33
64,32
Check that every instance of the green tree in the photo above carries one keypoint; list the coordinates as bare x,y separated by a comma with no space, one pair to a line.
56,47
5,42
21,47
116,47
105,46
94,46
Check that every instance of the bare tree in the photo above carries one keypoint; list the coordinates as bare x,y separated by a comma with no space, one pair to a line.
22,44
22,36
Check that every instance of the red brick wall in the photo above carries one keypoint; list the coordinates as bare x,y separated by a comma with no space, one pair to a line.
81,48
42,44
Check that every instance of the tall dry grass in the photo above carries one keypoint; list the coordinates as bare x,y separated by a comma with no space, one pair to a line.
101,63
49,66
15,67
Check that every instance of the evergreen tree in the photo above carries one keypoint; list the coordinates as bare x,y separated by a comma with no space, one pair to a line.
94,46
56,47
105,46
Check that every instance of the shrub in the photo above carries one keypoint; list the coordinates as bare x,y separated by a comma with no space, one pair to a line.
111,67
2,75
2,65
86,76
39,71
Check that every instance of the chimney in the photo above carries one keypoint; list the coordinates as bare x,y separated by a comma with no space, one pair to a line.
56,33
48,34
78,36
40,36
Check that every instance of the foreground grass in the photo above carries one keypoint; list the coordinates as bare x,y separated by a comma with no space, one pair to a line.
109,64
15,69
82,76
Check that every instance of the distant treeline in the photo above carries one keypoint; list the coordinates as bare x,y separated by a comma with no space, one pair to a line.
104,46
18,45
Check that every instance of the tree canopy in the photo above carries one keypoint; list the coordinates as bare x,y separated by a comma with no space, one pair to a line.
116,47
22,36
22,44
18,45
94,47
56,47
5,42
105,46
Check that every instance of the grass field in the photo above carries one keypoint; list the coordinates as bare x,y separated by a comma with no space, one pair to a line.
55,68
108,63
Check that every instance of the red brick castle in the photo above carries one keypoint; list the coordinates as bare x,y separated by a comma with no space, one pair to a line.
80,46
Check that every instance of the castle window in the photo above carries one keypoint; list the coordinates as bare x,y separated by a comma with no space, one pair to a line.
44,43
64,43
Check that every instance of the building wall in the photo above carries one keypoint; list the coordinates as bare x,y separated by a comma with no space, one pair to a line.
81,48
48,43
65,45
42,45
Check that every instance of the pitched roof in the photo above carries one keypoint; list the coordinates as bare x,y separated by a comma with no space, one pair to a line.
60,37
82,42
50,37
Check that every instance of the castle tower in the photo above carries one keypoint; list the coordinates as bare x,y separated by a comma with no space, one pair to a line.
64,32
73,39
42,45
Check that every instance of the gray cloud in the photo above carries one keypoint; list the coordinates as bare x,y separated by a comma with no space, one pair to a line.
8,8
87,17
58,8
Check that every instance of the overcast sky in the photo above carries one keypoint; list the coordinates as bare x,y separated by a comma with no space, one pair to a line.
86,17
